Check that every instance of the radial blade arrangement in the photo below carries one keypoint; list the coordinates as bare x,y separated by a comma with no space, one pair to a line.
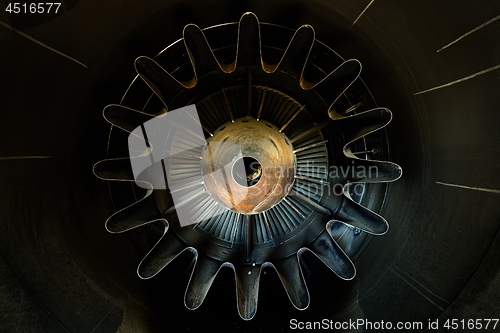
140,213
328,251
202,277
291,276
246,153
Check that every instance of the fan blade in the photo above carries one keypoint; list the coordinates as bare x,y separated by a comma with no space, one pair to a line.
360,217
125,118
298,50
166,249
291,276
248,50
203,275
142,212
369,171
361,124
311,204
337,82
310,131
248,238
149,175
328,251
202,58
247,289
114,169
160,81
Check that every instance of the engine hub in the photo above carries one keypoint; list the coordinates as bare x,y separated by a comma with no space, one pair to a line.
248,165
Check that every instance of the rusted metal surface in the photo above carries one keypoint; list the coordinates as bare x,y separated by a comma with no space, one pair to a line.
222,159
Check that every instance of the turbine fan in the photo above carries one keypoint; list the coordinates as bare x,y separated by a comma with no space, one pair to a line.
275,101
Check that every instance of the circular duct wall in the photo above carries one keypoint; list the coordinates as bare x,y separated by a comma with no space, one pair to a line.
434,64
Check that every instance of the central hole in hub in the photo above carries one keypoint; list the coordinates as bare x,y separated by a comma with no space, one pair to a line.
247,171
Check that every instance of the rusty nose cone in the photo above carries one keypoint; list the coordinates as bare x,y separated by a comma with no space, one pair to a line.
248,166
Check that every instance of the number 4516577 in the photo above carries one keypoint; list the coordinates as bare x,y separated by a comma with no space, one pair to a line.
33,8
471,324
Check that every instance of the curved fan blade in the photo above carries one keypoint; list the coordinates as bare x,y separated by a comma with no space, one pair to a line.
369,171
139,213
165,250
247,289
160,81
330,253
114,169
151,176
298,50
291,276
203,275
356,126
125,118
337,82
201,55
360,217
248,51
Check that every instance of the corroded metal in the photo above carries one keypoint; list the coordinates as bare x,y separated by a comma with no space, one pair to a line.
274,162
